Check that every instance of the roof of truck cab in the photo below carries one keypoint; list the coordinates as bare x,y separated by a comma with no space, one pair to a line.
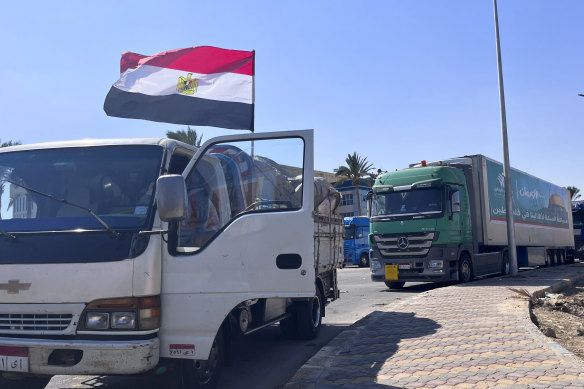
417,174
165,142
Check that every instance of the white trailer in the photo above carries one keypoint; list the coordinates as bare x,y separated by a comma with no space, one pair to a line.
119,255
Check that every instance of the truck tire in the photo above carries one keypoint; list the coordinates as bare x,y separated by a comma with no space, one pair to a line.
394,284
288,327
309,316
25,382
465,269
306,318
364,260
198,374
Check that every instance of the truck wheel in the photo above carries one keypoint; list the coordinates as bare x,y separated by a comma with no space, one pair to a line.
288,327
465,269
395,285
199,374
506,265
309,316
364,260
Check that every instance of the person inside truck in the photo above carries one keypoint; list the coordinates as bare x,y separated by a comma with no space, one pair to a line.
208,207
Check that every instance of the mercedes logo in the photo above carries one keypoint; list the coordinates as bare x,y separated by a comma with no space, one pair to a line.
402,242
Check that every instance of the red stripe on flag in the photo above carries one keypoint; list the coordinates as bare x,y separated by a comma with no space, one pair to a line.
130,60
202,59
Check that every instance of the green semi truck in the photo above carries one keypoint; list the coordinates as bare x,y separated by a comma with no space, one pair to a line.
446,221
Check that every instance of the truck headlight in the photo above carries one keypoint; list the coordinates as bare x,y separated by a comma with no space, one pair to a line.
436,264
127,313
97,320
374,265
123,320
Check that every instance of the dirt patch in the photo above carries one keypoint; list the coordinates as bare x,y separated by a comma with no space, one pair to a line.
561,316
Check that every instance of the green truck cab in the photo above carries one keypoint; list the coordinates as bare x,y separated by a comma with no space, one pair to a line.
443,221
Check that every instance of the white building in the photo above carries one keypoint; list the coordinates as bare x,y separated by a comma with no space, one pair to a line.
22,205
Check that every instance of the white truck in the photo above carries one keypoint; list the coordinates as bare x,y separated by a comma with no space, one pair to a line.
117,256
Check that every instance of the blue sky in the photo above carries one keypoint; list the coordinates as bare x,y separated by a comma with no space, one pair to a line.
395,80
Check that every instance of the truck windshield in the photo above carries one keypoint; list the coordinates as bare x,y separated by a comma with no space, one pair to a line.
115,182
349,232
408,203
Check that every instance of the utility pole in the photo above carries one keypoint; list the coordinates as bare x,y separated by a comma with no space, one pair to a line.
507,168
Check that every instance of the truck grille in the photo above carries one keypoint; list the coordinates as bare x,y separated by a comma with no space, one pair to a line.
15,322
393,246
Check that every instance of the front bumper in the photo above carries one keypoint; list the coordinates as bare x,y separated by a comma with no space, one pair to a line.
99,357
419,277
419,270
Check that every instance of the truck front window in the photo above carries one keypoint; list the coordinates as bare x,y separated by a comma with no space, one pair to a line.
410,202
349,232
115,182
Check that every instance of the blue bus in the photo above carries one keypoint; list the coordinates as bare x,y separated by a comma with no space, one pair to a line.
356,240
578,216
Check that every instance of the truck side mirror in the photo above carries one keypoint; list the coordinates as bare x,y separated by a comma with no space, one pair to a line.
369,198
171,198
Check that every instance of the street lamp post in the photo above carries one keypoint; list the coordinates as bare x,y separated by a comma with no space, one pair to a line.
507,168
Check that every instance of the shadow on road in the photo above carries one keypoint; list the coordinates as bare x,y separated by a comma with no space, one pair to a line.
417,288
258,361
361,351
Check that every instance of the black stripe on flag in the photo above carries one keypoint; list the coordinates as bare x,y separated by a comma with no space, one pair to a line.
179,109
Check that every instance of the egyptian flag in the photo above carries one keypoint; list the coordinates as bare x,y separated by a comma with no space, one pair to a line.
204,86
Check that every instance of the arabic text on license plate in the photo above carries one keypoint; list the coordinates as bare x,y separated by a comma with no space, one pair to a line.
13,359
405,266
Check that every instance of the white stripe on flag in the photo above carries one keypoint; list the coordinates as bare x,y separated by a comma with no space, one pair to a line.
157,81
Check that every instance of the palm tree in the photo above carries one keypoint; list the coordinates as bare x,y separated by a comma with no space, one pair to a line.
188,136
574,192
355,169
9,143
3,173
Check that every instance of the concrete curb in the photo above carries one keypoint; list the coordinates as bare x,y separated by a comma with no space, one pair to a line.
555,288
311,373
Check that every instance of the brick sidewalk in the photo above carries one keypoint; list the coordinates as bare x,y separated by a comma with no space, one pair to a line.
476,335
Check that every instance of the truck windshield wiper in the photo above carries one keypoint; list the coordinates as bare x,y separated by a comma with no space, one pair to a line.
52,197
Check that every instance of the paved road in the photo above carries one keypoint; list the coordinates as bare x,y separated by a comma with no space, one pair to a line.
265,359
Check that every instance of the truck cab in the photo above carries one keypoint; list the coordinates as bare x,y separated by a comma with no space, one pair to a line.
356,240
446,221
119,255
419,223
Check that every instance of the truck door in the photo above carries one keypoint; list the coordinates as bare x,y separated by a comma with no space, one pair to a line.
248,234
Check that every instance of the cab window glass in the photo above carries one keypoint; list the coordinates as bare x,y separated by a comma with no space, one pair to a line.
233,179
455,201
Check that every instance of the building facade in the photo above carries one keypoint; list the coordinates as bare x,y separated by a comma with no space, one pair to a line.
22,205
349,206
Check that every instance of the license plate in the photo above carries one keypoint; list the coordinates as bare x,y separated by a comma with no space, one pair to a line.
391,272
405,266
14,359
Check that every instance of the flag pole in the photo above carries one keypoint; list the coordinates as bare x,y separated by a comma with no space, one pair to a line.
251,199
507,168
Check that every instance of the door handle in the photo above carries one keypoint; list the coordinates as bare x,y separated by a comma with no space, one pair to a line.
288,261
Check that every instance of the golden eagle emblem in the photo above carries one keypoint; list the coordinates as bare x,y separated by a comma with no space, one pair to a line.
187,85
